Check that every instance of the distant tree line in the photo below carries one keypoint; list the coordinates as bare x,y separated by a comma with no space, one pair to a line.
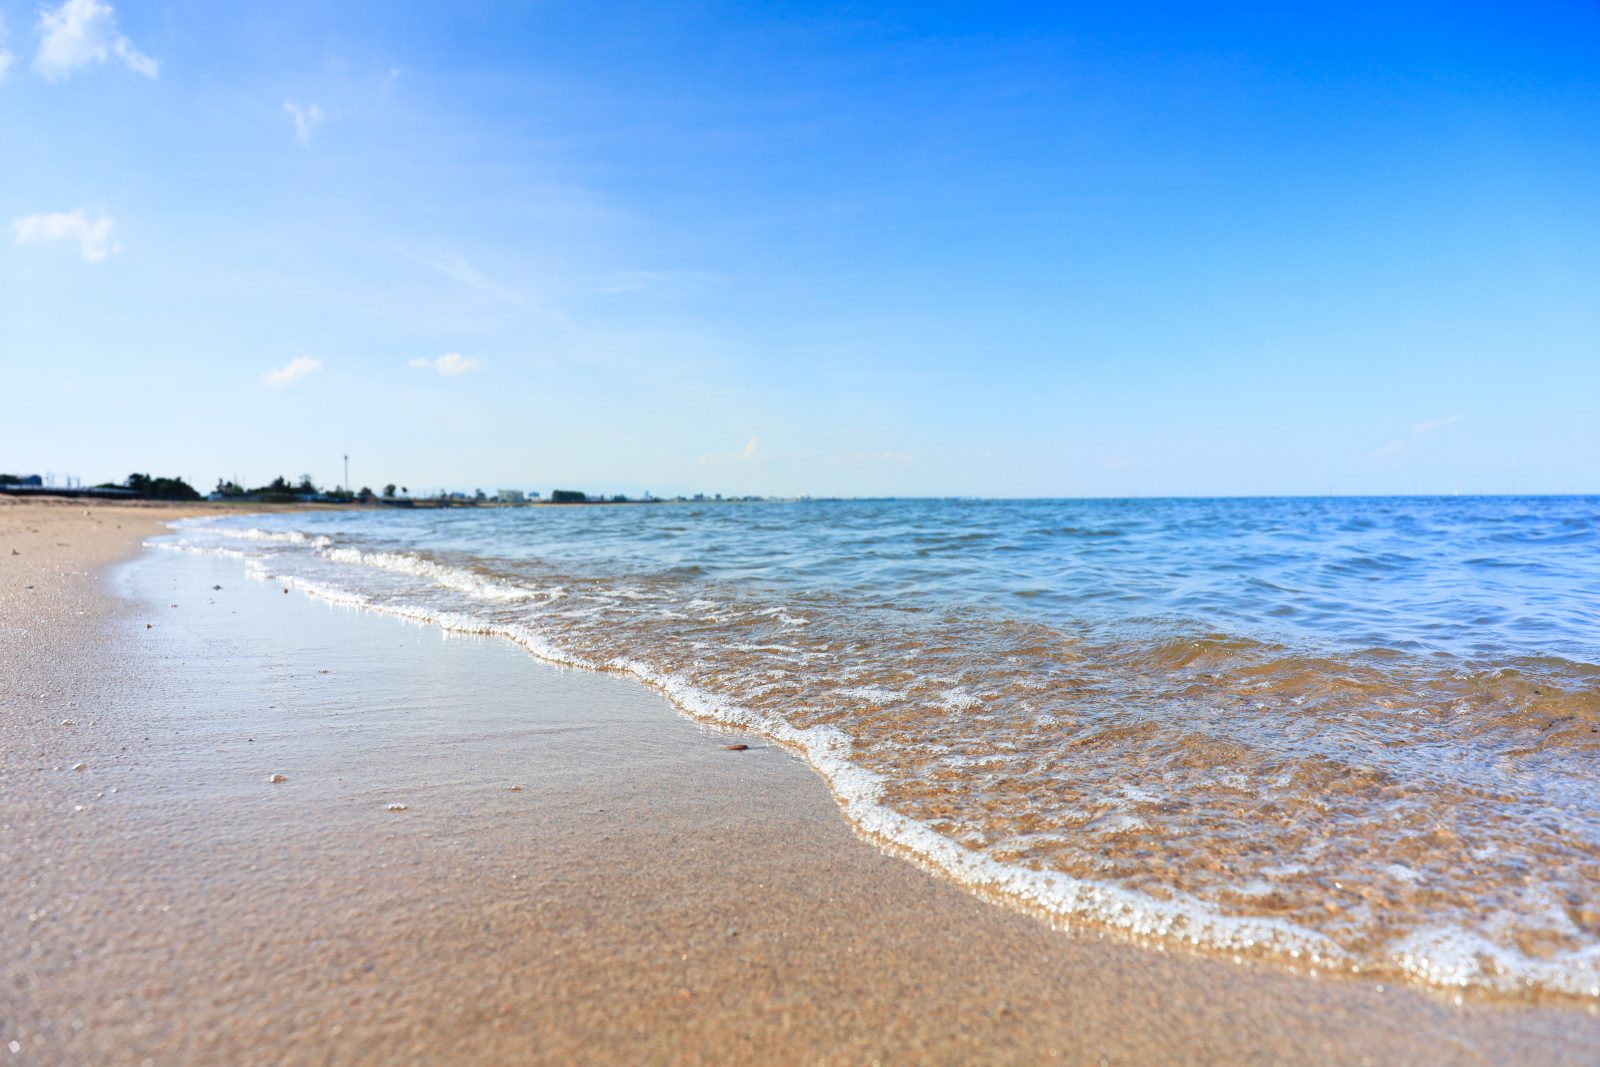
144,485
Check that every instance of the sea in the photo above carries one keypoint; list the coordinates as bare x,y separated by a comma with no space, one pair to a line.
1353,734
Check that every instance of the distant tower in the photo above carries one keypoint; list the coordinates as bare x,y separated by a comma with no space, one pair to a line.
347,472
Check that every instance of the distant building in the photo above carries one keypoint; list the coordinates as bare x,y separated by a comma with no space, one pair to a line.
509,496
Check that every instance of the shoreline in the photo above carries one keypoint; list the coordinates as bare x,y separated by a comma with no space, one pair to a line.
635,840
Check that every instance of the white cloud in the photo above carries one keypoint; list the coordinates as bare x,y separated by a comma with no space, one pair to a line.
81,32
93,236
1396,447
450,364
292,372
306,120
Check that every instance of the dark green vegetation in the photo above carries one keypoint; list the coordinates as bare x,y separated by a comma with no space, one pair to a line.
143,485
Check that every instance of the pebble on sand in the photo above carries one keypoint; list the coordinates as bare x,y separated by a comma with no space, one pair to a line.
734,748
395,807
276,778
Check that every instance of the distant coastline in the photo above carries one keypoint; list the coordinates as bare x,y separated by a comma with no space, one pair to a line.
281,491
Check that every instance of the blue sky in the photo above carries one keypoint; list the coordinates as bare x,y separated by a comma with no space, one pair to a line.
1079,249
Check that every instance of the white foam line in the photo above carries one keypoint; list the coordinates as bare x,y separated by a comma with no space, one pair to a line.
449,577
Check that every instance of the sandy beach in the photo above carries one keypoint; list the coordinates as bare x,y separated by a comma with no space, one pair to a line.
474,857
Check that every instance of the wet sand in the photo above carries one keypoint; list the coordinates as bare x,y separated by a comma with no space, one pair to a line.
644,896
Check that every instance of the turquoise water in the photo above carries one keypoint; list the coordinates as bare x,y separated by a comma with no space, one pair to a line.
1359,732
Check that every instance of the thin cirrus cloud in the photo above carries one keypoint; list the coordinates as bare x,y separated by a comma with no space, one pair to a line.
93,236
84,32
306,120
450,364
1396,447
458,268
5,56
291,372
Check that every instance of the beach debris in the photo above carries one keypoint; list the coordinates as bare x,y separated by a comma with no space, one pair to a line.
323,670
69,722
80,766
14,552
513,789
147,626
276,778
285,589
174,605
216,587
734,748
395,807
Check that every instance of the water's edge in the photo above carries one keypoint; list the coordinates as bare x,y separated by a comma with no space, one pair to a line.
1054,896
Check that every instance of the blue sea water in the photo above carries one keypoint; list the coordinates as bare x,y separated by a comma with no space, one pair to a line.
1359,732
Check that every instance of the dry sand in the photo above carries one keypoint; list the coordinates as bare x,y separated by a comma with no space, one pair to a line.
644,896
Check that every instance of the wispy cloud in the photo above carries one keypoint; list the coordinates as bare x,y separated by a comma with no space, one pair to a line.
291,372
1396,447
92,235
638,281
306,120
81,32
751,446
5,56
468,275
450,364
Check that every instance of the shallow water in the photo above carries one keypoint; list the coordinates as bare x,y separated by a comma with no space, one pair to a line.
1359,732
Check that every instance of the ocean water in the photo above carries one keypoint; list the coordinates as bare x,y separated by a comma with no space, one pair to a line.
1358,734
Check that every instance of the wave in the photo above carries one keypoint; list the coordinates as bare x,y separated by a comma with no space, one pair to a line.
1375,812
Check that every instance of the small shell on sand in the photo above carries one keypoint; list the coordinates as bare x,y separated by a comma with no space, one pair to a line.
322,670
276,778
734,748
395,807
69,722
80,766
